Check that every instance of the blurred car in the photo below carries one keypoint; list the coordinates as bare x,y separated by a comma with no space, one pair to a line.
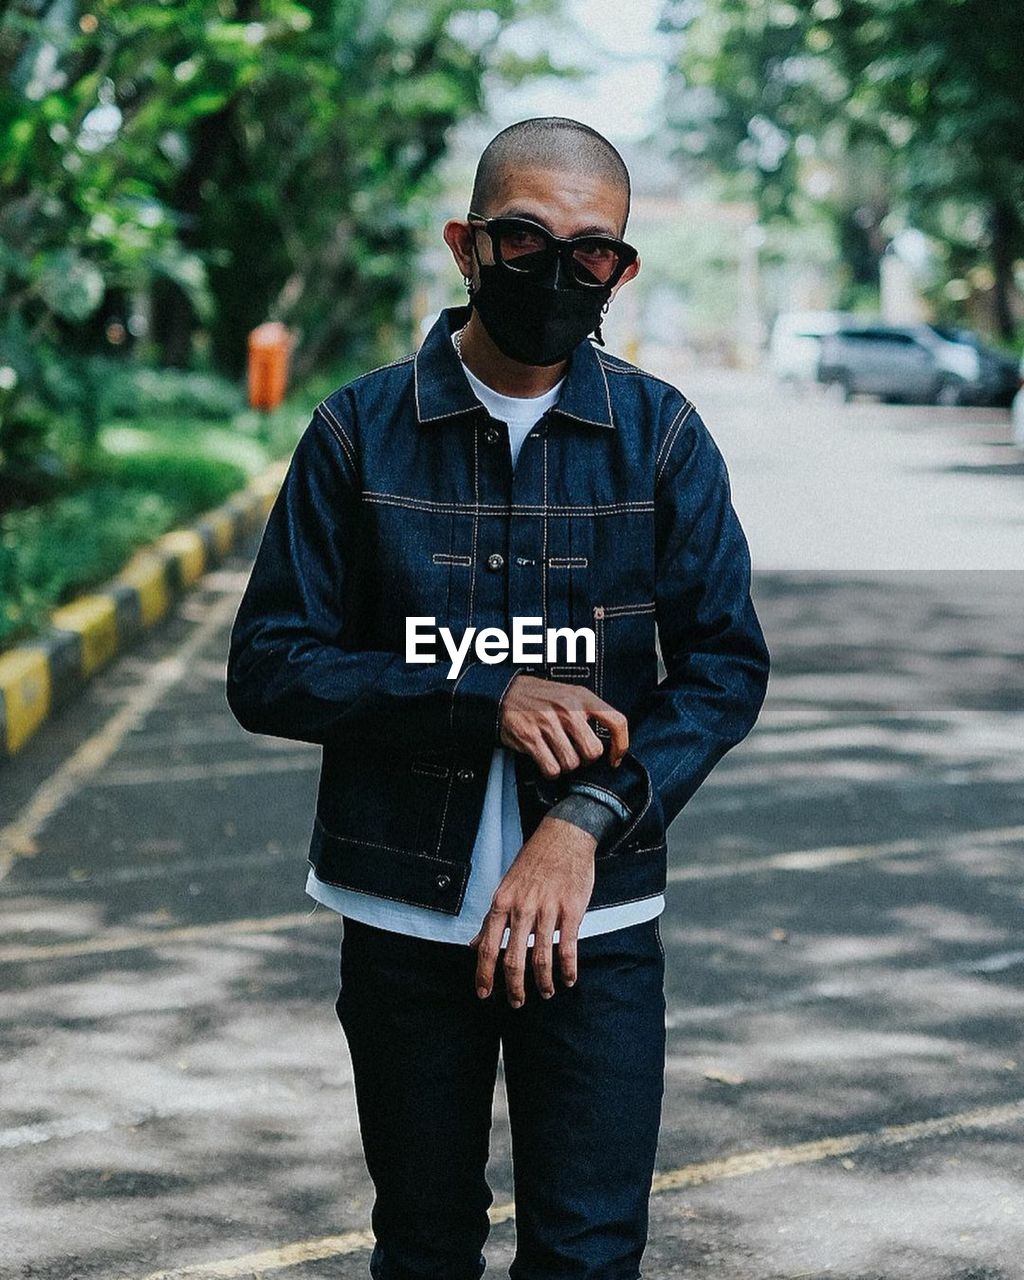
998,375
915,364
795,340
1017,408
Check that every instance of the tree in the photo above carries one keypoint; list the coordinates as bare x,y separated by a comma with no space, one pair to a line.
912,105
177,171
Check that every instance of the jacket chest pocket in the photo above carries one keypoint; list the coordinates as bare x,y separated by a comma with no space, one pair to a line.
626,651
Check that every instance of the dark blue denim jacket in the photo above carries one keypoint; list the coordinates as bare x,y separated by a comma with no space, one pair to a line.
400,500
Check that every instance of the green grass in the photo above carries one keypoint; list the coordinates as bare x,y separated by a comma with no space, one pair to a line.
138,485
149,473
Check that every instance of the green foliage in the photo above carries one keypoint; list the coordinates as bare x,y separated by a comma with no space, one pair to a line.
174,173
133,391
880,111
191,482
51,552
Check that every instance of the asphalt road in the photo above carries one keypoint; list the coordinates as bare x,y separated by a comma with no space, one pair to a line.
844,1088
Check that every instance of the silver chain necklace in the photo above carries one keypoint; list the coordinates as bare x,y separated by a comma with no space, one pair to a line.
457,340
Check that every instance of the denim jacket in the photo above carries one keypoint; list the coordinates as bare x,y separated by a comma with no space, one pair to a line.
400,500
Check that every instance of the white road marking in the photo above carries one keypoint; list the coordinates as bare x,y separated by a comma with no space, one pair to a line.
141,872
254,765
135,939
691,1175
835,855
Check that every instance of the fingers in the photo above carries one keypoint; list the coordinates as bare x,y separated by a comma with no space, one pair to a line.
544,757
587,742
567,935
489,936
515,959
543,972
514,955
548,720
561,748
615,722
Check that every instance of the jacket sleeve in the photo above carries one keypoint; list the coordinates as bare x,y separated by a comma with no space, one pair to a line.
714,651
289,674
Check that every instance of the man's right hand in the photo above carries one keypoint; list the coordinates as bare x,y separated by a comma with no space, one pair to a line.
548,721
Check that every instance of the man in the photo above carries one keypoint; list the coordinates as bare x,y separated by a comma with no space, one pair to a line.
496,842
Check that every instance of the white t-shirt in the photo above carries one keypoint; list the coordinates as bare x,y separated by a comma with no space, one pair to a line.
500,835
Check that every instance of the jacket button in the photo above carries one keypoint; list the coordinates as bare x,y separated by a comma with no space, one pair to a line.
443,881
492,435
495,561
465,775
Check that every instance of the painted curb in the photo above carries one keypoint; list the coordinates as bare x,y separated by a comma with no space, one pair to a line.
41,675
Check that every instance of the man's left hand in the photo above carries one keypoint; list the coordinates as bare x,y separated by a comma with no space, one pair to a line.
546,888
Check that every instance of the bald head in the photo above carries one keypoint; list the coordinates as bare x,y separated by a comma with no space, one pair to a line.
555,143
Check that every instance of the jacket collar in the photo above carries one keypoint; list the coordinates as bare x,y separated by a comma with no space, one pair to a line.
443,390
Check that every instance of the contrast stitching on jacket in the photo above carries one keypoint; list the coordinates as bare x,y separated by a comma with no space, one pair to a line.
639,817
544,543
594,422
668,434
624,367
669,440
393,364
449,413
644,373
391,897
451,775
670,444
607,390
451,708
476,521
376,844
599,650
568,562
603,611
416,386
444,812
430,770
338,431
497,713
570,669
621,610
502,508
446,557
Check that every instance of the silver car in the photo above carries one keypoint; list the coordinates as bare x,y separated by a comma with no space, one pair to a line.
914,363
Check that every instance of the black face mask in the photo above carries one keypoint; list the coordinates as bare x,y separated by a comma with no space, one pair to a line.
536,323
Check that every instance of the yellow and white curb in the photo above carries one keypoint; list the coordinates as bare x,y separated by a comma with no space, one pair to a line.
39,676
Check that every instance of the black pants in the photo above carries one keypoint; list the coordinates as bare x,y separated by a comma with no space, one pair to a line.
584,1077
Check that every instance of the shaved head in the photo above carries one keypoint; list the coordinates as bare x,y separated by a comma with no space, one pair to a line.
548,142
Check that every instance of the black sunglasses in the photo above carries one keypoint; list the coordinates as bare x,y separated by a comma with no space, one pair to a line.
524,246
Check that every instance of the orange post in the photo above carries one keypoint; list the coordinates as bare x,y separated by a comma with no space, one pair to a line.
270,346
